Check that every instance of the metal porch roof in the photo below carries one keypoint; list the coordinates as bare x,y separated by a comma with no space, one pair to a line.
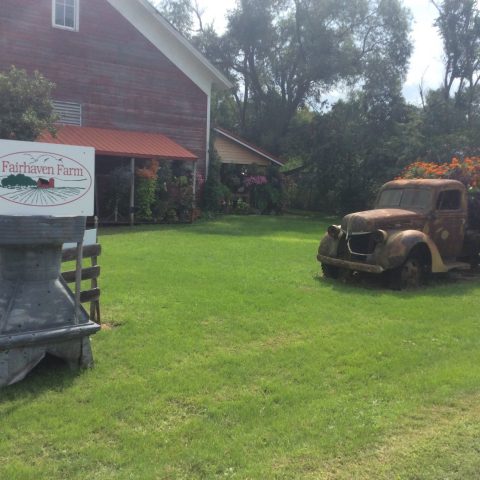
119,143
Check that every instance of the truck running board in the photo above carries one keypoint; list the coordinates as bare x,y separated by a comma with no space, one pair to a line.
453,265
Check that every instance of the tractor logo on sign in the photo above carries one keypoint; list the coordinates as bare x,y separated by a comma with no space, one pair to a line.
40,179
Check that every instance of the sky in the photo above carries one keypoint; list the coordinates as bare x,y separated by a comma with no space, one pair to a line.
426,60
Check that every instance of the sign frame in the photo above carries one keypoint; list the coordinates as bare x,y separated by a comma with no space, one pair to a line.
44,179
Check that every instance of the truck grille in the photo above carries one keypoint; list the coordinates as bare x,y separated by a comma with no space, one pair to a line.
361,244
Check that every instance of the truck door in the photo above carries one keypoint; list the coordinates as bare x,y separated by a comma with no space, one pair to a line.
448,223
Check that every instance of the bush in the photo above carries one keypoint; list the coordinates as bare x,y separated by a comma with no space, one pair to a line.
466,170
215,192
146,182
26,109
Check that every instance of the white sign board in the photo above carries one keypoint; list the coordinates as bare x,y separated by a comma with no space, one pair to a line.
46,179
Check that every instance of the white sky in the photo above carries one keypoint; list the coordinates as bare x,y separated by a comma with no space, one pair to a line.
426,60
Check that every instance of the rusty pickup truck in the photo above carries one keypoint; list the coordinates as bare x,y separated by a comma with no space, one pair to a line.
417,227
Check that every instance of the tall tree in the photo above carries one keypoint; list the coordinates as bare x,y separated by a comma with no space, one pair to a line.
184,15
458,22
285,54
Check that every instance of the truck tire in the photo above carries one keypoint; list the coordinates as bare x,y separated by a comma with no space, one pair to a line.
330,271
410,275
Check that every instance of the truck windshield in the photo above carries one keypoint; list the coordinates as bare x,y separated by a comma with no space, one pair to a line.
416,198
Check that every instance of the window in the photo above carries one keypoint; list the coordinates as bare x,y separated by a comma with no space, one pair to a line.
414,198
65,14
449,200
68,113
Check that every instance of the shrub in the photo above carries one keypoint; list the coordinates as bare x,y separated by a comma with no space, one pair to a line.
466,170
25,105
146,183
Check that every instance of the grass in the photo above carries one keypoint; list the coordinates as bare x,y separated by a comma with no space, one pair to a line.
231,358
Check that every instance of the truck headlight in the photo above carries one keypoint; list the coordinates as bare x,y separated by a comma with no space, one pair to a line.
334,231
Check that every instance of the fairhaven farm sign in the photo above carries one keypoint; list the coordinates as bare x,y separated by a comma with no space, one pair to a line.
46,179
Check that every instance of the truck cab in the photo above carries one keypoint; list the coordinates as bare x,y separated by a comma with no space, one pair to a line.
416,227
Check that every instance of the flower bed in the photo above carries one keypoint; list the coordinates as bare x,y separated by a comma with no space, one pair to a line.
466,170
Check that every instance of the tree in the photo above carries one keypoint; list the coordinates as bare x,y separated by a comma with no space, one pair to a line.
458,23
451,114
184,15
25,106
284,55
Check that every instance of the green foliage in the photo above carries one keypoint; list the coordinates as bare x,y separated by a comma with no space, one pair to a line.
173,193
458,23
145,189
452,113
19,180
162,198
269,198
178,13
241,207
25,105
354,149
215,191
285,55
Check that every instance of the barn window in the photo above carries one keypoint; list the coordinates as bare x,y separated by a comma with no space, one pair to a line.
68,113
65,14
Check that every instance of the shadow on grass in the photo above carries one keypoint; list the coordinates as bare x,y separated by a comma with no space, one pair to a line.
237,226
438,285
51,374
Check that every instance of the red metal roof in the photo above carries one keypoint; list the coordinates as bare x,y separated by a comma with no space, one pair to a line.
119,143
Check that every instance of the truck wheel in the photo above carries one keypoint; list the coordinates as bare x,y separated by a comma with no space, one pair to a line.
409,275
330,271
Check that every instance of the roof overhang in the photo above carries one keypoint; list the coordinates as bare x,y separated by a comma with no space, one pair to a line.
152,25
249,146
119,143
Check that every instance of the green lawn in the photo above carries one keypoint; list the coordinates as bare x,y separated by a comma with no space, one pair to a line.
230,357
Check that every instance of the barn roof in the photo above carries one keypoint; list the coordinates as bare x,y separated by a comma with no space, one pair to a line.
119,143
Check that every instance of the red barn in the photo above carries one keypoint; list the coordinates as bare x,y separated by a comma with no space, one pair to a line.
42,183
127,83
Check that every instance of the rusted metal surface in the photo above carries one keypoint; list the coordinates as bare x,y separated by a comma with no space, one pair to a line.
37,310
434,229
361,267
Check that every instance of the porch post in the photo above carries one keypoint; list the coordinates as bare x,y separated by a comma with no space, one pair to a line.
195,184
132,192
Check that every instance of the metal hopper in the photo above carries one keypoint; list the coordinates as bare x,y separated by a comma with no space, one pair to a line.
37,310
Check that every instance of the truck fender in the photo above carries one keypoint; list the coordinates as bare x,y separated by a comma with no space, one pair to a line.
329,246
400,244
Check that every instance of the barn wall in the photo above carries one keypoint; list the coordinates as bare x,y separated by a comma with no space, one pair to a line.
108,66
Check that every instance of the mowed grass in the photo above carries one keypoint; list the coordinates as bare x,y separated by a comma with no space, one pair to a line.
230,357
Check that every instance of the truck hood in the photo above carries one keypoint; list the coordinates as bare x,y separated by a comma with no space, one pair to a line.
383,218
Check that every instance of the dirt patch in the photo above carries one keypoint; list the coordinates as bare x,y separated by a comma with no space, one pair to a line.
110,325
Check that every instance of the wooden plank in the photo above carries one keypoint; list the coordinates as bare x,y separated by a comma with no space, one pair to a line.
88,252
95,306
88,273
78,280
92,295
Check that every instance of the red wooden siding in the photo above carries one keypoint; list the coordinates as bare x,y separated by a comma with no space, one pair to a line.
119,77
